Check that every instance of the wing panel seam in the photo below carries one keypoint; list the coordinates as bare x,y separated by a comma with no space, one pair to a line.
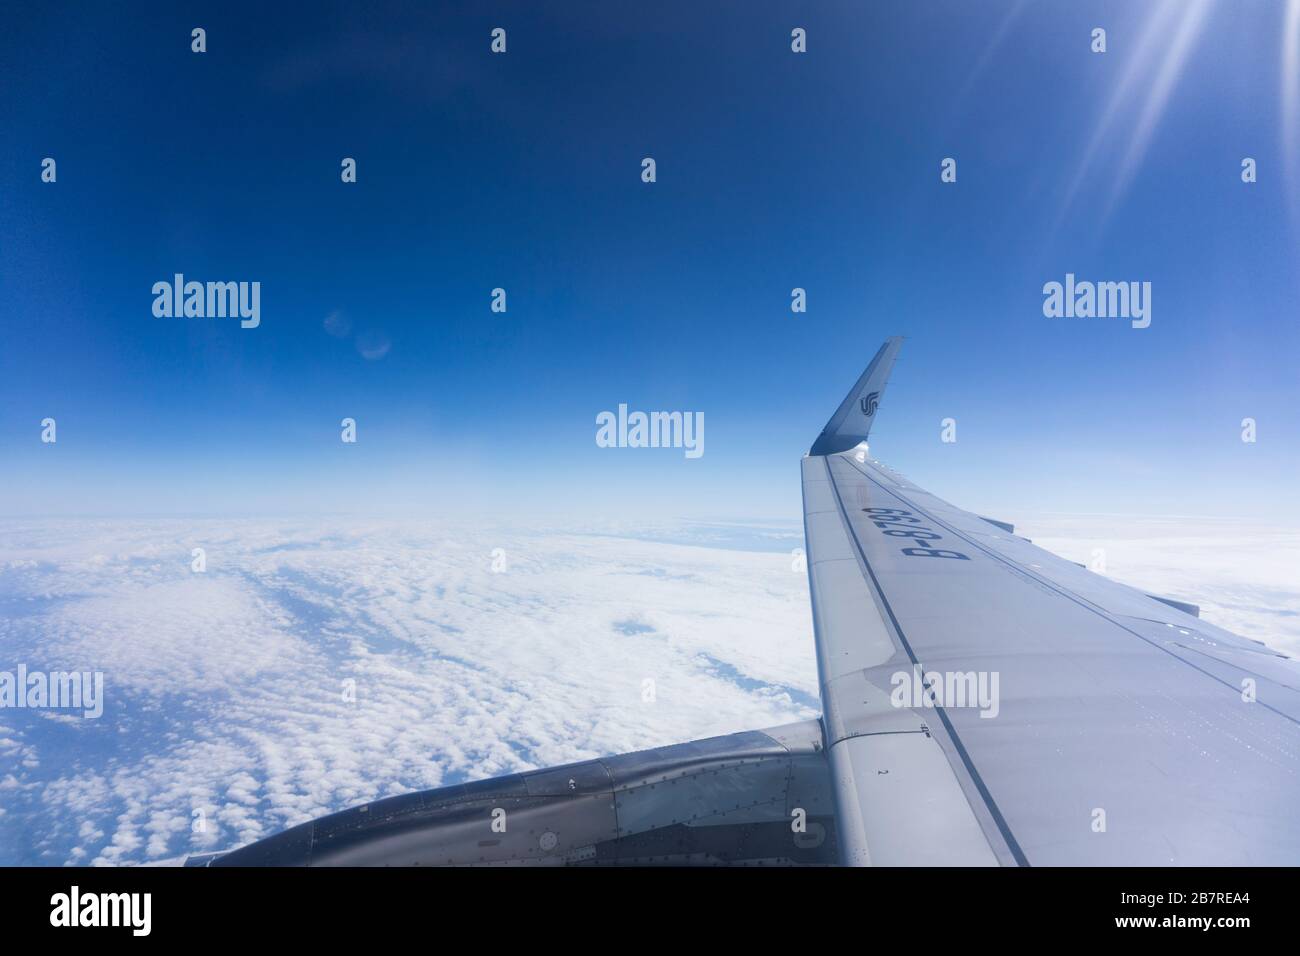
989,803
1047,583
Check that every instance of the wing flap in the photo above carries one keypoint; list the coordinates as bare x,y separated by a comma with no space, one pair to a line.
911,807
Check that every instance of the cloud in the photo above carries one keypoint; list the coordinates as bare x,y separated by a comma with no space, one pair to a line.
229,712
320,664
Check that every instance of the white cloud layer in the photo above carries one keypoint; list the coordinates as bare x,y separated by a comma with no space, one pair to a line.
225,691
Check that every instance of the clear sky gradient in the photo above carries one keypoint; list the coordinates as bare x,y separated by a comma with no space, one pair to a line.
522,170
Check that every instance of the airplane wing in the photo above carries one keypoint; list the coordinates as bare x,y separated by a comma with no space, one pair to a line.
987,702
984,702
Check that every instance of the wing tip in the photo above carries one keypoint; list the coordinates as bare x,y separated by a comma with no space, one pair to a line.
852,421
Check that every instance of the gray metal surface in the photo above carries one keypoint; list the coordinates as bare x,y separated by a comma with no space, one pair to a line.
1125,730
724,800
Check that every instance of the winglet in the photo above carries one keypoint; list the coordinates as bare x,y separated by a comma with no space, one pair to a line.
851,422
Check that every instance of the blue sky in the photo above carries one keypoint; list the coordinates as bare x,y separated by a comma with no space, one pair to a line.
775,170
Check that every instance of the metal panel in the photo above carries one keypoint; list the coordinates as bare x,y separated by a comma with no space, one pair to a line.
1120,736
909,802
722,800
